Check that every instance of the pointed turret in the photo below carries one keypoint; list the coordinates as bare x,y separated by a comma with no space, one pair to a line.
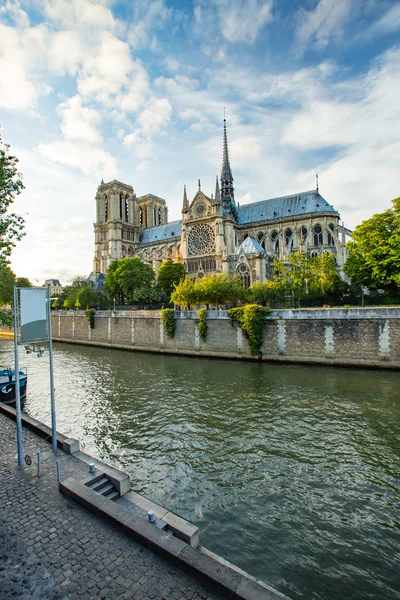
217,194
227,190
185,206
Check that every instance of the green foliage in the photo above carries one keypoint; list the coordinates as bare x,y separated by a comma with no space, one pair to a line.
125,276
90,312
23,282
11,225
168,318
374,252
271,292
7,282
218,289
203,327
301,276
148,295
185,294
170,274
251,320
88,297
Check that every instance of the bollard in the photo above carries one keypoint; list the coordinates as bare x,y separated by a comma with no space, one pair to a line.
92,468
58,472
151,516
38,463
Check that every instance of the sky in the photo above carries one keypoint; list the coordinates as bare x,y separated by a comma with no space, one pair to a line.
135,90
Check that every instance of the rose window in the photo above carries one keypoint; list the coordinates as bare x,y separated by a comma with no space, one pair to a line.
201,240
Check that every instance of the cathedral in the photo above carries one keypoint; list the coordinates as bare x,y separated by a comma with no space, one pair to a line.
215,234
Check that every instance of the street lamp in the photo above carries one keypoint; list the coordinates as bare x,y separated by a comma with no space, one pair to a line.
114,304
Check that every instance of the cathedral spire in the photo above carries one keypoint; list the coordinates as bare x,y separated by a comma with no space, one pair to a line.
227,190
185,206
217,194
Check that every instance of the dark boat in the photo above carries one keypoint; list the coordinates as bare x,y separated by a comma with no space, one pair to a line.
7,385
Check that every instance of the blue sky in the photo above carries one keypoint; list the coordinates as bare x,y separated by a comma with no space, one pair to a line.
135,91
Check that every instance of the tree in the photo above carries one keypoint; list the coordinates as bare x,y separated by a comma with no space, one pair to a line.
219,288
125,276
23,282
11,225
169,275
374,252
7,282
270,292
185,294
88,298
149,295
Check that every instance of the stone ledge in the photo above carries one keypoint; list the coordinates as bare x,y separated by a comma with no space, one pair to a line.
221,578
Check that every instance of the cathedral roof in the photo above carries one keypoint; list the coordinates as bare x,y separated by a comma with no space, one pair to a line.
150,235
249,246
283,207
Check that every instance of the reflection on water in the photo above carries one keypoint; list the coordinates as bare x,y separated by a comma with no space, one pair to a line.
291,472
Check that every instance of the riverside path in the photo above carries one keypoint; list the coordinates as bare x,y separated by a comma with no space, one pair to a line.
84,556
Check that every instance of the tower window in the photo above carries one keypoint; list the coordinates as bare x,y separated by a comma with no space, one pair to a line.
159,216
331,241
126,210
141,217
105,208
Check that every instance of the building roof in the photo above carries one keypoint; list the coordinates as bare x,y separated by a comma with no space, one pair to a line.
284,207
150,235
53,282
249,246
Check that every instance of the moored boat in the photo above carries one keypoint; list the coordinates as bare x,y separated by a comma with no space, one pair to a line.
7,385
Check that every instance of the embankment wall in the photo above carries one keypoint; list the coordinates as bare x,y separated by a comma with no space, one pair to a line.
364,337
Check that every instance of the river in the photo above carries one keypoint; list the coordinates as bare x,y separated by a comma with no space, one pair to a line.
290,472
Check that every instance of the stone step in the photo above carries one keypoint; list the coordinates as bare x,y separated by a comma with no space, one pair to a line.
113,495
100,484
106,490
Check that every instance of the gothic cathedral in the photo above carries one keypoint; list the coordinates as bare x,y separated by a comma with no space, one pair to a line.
215,235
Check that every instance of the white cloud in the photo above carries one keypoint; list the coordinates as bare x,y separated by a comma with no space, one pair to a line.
238,20
79,122
70,14
65,52
389,22
157,114
19,88
148,16
81,155
324,23
104,73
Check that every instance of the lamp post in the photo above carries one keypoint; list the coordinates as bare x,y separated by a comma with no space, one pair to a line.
114,304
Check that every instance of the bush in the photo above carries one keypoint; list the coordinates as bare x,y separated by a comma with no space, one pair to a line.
168,318
202,316
90,312
251,320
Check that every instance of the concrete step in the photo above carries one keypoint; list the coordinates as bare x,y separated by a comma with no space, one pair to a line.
113,495
100,484
106,490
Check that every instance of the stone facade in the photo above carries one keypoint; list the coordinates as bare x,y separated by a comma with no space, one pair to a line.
349,337
215,234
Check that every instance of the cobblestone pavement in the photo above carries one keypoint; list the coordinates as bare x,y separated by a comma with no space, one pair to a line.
85,556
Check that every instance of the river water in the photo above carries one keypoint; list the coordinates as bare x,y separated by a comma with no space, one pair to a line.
291,472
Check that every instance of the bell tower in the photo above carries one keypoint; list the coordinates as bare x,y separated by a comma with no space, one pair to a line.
116,230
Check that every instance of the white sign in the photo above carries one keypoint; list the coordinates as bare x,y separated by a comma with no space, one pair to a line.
33,306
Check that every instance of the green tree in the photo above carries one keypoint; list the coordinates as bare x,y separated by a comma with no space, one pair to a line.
11,225
23,282
169,275
7,282
185,294
149,295
218,289
374,252
127,275
269,293
88,297
294,275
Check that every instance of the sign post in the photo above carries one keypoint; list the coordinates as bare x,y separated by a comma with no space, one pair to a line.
32,323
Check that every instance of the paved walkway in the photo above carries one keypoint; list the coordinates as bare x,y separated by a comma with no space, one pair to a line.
86,557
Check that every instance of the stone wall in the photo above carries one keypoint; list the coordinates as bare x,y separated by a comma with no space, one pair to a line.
352,337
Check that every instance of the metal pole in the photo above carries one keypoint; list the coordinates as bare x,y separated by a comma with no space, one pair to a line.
58,472
17,390
38,463
53,406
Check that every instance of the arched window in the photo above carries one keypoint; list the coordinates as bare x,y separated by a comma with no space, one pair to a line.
126,210
261,239
289,240
245,236
314,254
244,273
275,242
121,206
155,216
303,236
141,217
317,235
331,241
105,208
130,251
159,216
123,251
